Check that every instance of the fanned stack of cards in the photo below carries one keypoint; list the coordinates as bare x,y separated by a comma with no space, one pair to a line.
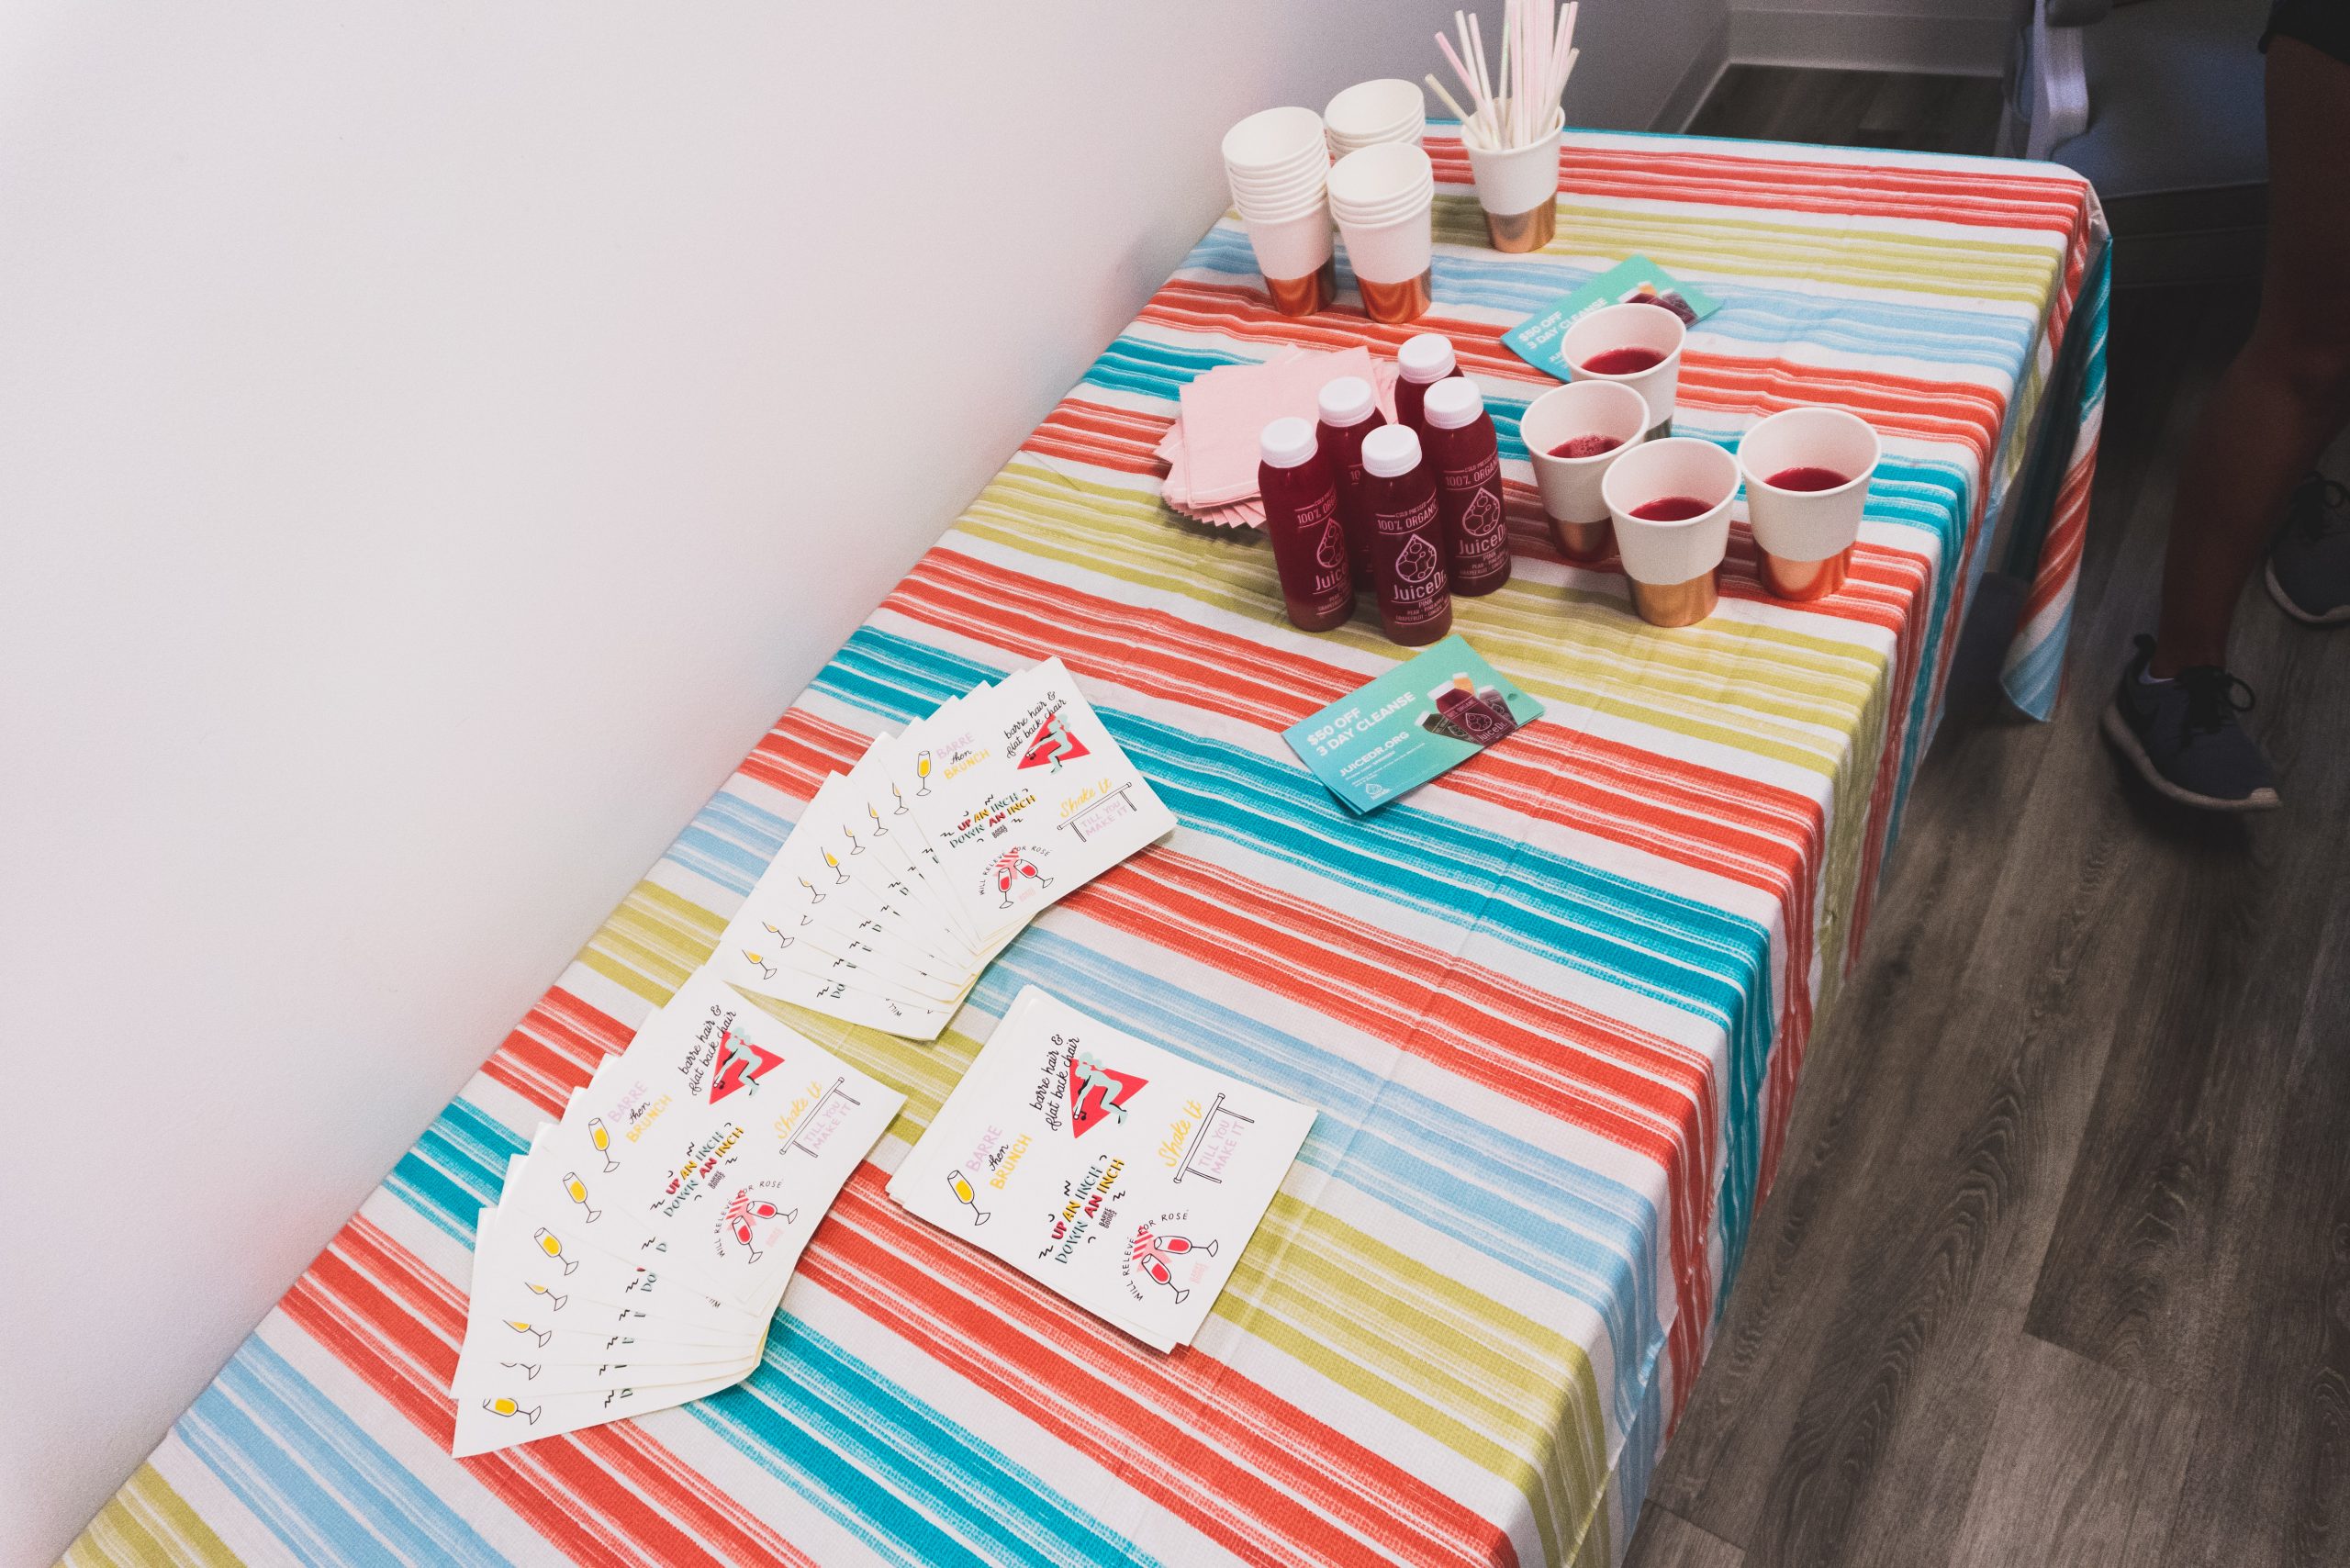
908,873
640,1249
1120,1175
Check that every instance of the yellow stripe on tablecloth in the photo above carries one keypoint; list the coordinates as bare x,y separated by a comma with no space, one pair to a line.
145,1525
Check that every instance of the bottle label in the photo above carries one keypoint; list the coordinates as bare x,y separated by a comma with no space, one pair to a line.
1415,587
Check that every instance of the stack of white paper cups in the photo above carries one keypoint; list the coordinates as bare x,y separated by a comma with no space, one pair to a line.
1371,113
1382,197
1672,557
1279,165
1518,186
1804,528
1574,434
1639,345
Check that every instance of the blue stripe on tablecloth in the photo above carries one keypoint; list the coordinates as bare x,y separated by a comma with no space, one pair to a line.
730,842
325,1488
1755,315
918,1488
458,1168
1677,950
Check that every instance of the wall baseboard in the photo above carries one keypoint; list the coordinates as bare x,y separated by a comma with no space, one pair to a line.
1688,94
1860,40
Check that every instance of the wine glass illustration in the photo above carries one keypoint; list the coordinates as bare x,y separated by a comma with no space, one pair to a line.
922,772
838,875
961,1184
577,1190
813,896
1011,866
528,1369
603,1141
552,1247
766,969
542,1289
501,1406
901,794
780,939
850,833
541,1334
878,829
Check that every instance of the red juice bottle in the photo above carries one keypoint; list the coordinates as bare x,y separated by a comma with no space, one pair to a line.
1399,493
1302,517
1349,411
1468,462
1424,359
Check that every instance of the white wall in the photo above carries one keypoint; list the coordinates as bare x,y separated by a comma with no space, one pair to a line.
435,439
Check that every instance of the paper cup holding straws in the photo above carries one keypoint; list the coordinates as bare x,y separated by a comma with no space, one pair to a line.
1278,164
1371,113
1382,197
1637,345
1807,474
1574,434
1519,187
1686,487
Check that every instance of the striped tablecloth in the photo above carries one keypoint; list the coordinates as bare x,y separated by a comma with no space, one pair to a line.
1552,1008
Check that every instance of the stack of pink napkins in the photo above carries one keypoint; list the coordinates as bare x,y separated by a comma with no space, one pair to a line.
1211,449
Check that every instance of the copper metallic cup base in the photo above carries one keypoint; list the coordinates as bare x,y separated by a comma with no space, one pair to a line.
1305,295
1585,543
1521,232
1392,302
1676,604
1803,580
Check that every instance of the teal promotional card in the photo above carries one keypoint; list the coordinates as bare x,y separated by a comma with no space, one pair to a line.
1421,717
1536,339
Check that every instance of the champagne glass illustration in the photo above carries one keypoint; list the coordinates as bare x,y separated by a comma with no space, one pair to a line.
813,896
528,1369
542,1289
550,1245
541,1334
961,1185
502,1406
901,794
838,875
766,969
878,829
577,1190
780,939
922,772
850,833
603,1141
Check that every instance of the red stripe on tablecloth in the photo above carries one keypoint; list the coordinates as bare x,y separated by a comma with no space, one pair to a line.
553,1049
1242,1466
608,1495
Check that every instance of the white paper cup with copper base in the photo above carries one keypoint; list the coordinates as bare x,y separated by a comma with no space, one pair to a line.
1671,561
1581,410
1382,197
1617,330
1519,189
1296,256
1803,532
1370,112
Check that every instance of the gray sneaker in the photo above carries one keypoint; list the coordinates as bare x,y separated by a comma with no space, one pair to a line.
2182,737
2308,566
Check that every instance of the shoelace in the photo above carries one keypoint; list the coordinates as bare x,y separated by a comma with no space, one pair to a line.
2213,698
2321,507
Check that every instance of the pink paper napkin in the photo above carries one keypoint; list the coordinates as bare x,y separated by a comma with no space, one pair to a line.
1211,450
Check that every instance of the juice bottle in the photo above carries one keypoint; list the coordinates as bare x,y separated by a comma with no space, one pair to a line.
1301,516
1349,411
1424,359
1399,493
1468,463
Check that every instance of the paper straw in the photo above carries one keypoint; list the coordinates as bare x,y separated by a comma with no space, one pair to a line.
1457,112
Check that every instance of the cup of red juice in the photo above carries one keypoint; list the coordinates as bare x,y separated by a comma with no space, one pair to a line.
1573,435
1636,344
1806,473
1669,501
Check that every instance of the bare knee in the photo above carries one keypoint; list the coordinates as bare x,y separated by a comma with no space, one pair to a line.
2311,365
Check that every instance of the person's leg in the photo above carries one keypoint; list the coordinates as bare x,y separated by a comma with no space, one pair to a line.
2287,395
2174,714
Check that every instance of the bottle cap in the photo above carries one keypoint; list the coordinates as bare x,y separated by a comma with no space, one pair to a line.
1285,443
1426,357
1453,402
1347,401
1389,450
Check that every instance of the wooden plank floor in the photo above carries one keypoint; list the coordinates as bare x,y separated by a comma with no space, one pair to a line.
2057,1269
